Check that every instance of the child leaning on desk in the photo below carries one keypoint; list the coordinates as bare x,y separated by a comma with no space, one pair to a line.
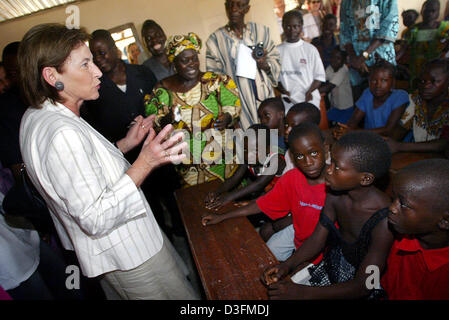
264,172
300,191
362,240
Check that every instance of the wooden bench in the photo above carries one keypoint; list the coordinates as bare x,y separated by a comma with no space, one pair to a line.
230,256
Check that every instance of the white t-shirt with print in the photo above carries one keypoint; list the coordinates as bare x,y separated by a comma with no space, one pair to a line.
300,65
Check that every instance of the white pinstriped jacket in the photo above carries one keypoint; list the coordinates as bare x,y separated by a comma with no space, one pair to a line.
97,209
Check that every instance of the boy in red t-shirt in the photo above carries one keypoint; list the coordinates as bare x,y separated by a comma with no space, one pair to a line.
300,191
418,264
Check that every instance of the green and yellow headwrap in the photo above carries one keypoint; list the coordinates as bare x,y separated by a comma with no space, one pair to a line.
177,44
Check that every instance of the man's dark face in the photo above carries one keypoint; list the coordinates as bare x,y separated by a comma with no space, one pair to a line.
105,55
292,28
236,10
11,68
155,38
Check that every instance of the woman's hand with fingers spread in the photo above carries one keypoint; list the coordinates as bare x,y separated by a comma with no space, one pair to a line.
157,150
138,130
161,149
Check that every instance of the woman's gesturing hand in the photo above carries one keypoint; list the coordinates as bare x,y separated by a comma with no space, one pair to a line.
161,149
138,130
157,150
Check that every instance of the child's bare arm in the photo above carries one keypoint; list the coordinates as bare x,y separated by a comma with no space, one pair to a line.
213,199
282,223
392,122
261,181
372,266
315,85
355,119
281,89
317,241
326,87
352,124
307,251
438,145
233,181
286,289
271,227
257,185
250,208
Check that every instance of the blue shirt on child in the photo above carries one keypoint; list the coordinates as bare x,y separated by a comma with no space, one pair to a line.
378,117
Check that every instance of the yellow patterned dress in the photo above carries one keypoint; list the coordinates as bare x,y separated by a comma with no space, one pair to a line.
196,111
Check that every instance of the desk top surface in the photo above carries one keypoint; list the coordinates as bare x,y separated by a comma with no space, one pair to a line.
402,159
230,256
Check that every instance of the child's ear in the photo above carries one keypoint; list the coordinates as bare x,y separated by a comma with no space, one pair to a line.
443,224
367,179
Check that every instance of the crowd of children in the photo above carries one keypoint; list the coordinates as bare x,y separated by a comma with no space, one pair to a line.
327,210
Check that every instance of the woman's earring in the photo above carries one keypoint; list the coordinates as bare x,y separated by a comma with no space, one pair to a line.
59,85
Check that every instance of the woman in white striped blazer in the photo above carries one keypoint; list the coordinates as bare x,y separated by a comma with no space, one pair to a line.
91,190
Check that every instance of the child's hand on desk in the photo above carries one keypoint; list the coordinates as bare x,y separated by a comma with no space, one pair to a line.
274,274
286,290
210,198
219,202
211,218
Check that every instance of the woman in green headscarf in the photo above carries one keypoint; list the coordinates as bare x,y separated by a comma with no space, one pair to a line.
196,102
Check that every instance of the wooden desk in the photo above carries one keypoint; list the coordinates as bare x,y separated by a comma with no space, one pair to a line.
230,256
399,161
402,159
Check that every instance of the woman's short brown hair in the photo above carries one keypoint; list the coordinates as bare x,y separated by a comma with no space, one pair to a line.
45,45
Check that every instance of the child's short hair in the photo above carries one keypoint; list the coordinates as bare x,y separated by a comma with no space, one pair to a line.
291,14
311,113
105,35
370,152
431,1
433,176
410,11
383,65
304,129
443,63
343,53
276,103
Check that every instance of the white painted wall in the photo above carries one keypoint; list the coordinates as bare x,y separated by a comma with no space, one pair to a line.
175,16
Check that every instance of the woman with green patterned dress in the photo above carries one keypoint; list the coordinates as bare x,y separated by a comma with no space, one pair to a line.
427,40
203,104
